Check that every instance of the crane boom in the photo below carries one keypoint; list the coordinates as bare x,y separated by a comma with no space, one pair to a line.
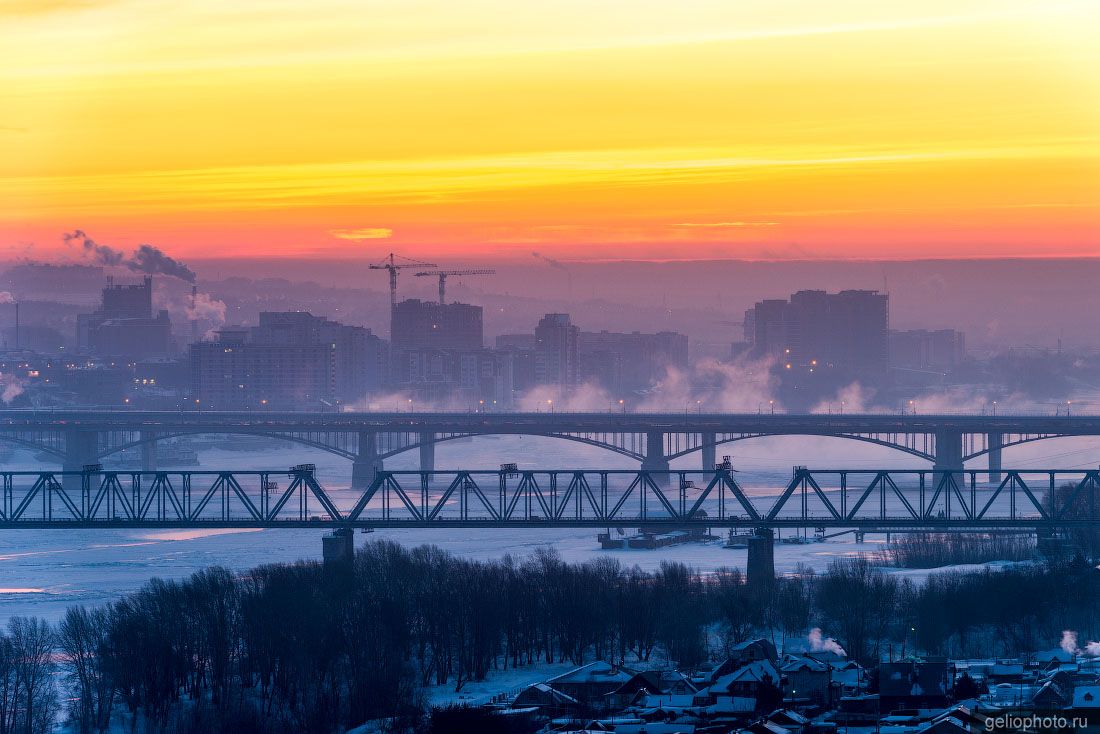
443,278
392,265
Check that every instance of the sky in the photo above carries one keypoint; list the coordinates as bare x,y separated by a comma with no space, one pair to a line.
620,129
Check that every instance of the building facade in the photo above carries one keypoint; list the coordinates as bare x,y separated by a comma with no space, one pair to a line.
290,361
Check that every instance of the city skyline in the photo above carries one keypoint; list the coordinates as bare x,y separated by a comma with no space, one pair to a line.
894,131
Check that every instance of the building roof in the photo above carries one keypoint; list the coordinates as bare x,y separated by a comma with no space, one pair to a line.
599,671
1086,697
757,671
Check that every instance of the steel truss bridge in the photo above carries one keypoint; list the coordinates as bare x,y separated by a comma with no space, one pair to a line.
80,437
912,500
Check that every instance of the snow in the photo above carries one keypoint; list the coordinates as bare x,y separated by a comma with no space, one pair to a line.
509,682
44,571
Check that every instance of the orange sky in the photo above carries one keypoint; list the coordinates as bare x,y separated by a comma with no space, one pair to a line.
688,129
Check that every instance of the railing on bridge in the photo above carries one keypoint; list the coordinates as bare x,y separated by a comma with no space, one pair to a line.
856,498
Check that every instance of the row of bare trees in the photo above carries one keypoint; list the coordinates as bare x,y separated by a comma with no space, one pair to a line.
296,648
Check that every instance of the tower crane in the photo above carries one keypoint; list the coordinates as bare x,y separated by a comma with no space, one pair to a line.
443,278
392,265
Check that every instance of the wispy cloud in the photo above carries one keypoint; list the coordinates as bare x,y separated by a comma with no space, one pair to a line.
365,233
724,225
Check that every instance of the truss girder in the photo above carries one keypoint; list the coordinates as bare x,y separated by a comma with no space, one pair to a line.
881,498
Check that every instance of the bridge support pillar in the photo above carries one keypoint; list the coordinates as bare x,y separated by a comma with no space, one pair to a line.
656,460
709,451
80,450
338,552
949,452
427,452
149,451
760,566
995,441
367,462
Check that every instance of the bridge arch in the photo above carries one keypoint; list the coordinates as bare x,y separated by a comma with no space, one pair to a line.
33,445
347,453
161,436
563,436
1020,441
843,436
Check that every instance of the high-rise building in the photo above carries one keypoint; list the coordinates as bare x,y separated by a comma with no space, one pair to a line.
628,362
556,352
815,329
291,360
420,324
124,324
924,349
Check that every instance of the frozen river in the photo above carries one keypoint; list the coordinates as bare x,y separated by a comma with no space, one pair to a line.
44,571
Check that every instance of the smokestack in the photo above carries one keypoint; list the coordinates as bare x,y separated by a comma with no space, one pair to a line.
194,322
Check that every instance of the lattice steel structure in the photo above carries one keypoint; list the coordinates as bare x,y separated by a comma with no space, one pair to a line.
835,498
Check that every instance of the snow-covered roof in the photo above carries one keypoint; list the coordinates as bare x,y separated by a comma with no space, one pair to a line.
599,670
732,705
1086,697
754,672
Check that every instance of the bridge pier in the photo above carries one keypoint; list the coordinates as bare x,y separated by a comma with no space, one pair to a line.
709,451
949,452
338,553
80,450
995,441
149,451
367,462
427,452
655,458
760,566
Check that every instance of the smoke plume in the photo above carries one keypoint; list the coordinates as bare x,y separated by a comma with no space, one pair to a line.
145,259
820,643
6,297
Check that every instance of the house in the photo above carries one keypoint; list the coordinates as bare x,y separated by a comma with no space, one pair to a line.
807,679
1086,702
546,699
763,727
589,684
652,682
914,684
791,722
744,653
758,682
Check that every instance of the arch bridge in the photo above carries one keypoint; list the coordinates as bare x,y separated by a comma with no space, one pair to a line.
81,437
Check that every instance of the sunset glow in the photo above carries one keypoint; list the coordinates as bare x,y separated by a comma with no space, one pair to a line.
586,130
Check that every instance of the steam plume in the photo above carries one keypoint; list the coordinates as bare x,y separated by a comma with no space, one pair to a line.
820,643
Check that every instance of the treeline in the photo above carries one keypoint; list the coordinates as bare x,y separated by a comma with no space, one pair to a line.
296,648
936,550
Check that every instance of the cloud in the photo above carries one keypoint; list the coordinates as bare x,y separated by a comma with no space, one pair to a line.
365,233
725,224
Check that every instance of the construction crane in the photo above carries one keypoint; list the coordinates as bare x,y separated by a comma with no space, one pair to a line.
392,265
443,278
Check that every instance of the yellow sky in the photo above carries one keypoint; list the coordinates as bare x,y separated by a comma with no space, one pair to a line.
585,129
